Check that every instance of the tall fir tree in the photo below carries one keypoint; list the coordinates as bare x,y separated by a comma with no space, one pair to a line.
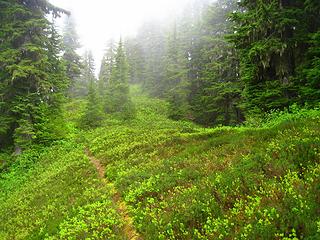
152,39
87,75
118,99
93,114
218,95
107,64
31,74
136,60
176,85
308,77
270,37
73,61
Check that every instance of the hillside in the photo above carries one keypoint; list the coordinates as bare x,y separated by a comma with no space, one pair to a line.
155,178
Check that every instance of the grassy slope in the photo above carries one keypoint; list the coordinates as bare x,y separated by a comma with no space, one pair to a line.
55,193
179,181
185,182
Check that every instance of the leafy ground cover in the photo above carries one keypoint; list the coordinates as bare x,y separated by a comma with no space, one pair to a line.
176,180
55,193
181,181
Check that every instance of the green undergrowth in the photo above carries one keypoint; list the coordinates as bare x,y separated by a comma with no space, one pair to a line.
179,180
55,193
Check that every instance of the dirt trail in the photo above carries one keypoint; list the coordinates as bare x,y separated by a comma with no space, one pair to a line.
129,231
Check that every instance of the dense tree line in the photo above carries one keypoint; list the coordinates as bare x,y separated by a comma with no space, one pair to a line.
216,63
189,62
276,41
219,62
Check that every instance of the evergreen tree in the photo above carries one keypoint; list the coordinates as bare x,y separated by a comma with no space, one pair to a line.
118,99
270,37
219,88
176,84
136,60
107,64
152,40
31,74
73,60
308,77
87,75
93,114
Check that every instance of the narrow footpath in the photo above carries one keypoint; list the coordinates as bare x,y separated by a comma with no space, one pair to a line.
129,232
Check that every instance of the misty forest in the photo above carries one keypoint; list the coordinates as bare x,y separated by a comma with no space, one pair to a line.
203,126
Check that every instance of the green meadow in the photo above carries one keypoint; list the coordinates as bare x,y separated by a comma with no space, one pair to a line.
176,179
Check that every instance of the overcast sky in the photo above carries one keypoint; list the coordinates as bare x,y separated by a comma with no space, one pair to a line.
99,20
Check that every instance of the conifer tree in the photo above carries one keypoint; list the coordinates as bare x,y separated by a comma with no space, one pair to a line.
118,99
176,84
152,40
270,37
107,64
31,74
73,60
93,114
308,77
136,60
219,88
87,75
